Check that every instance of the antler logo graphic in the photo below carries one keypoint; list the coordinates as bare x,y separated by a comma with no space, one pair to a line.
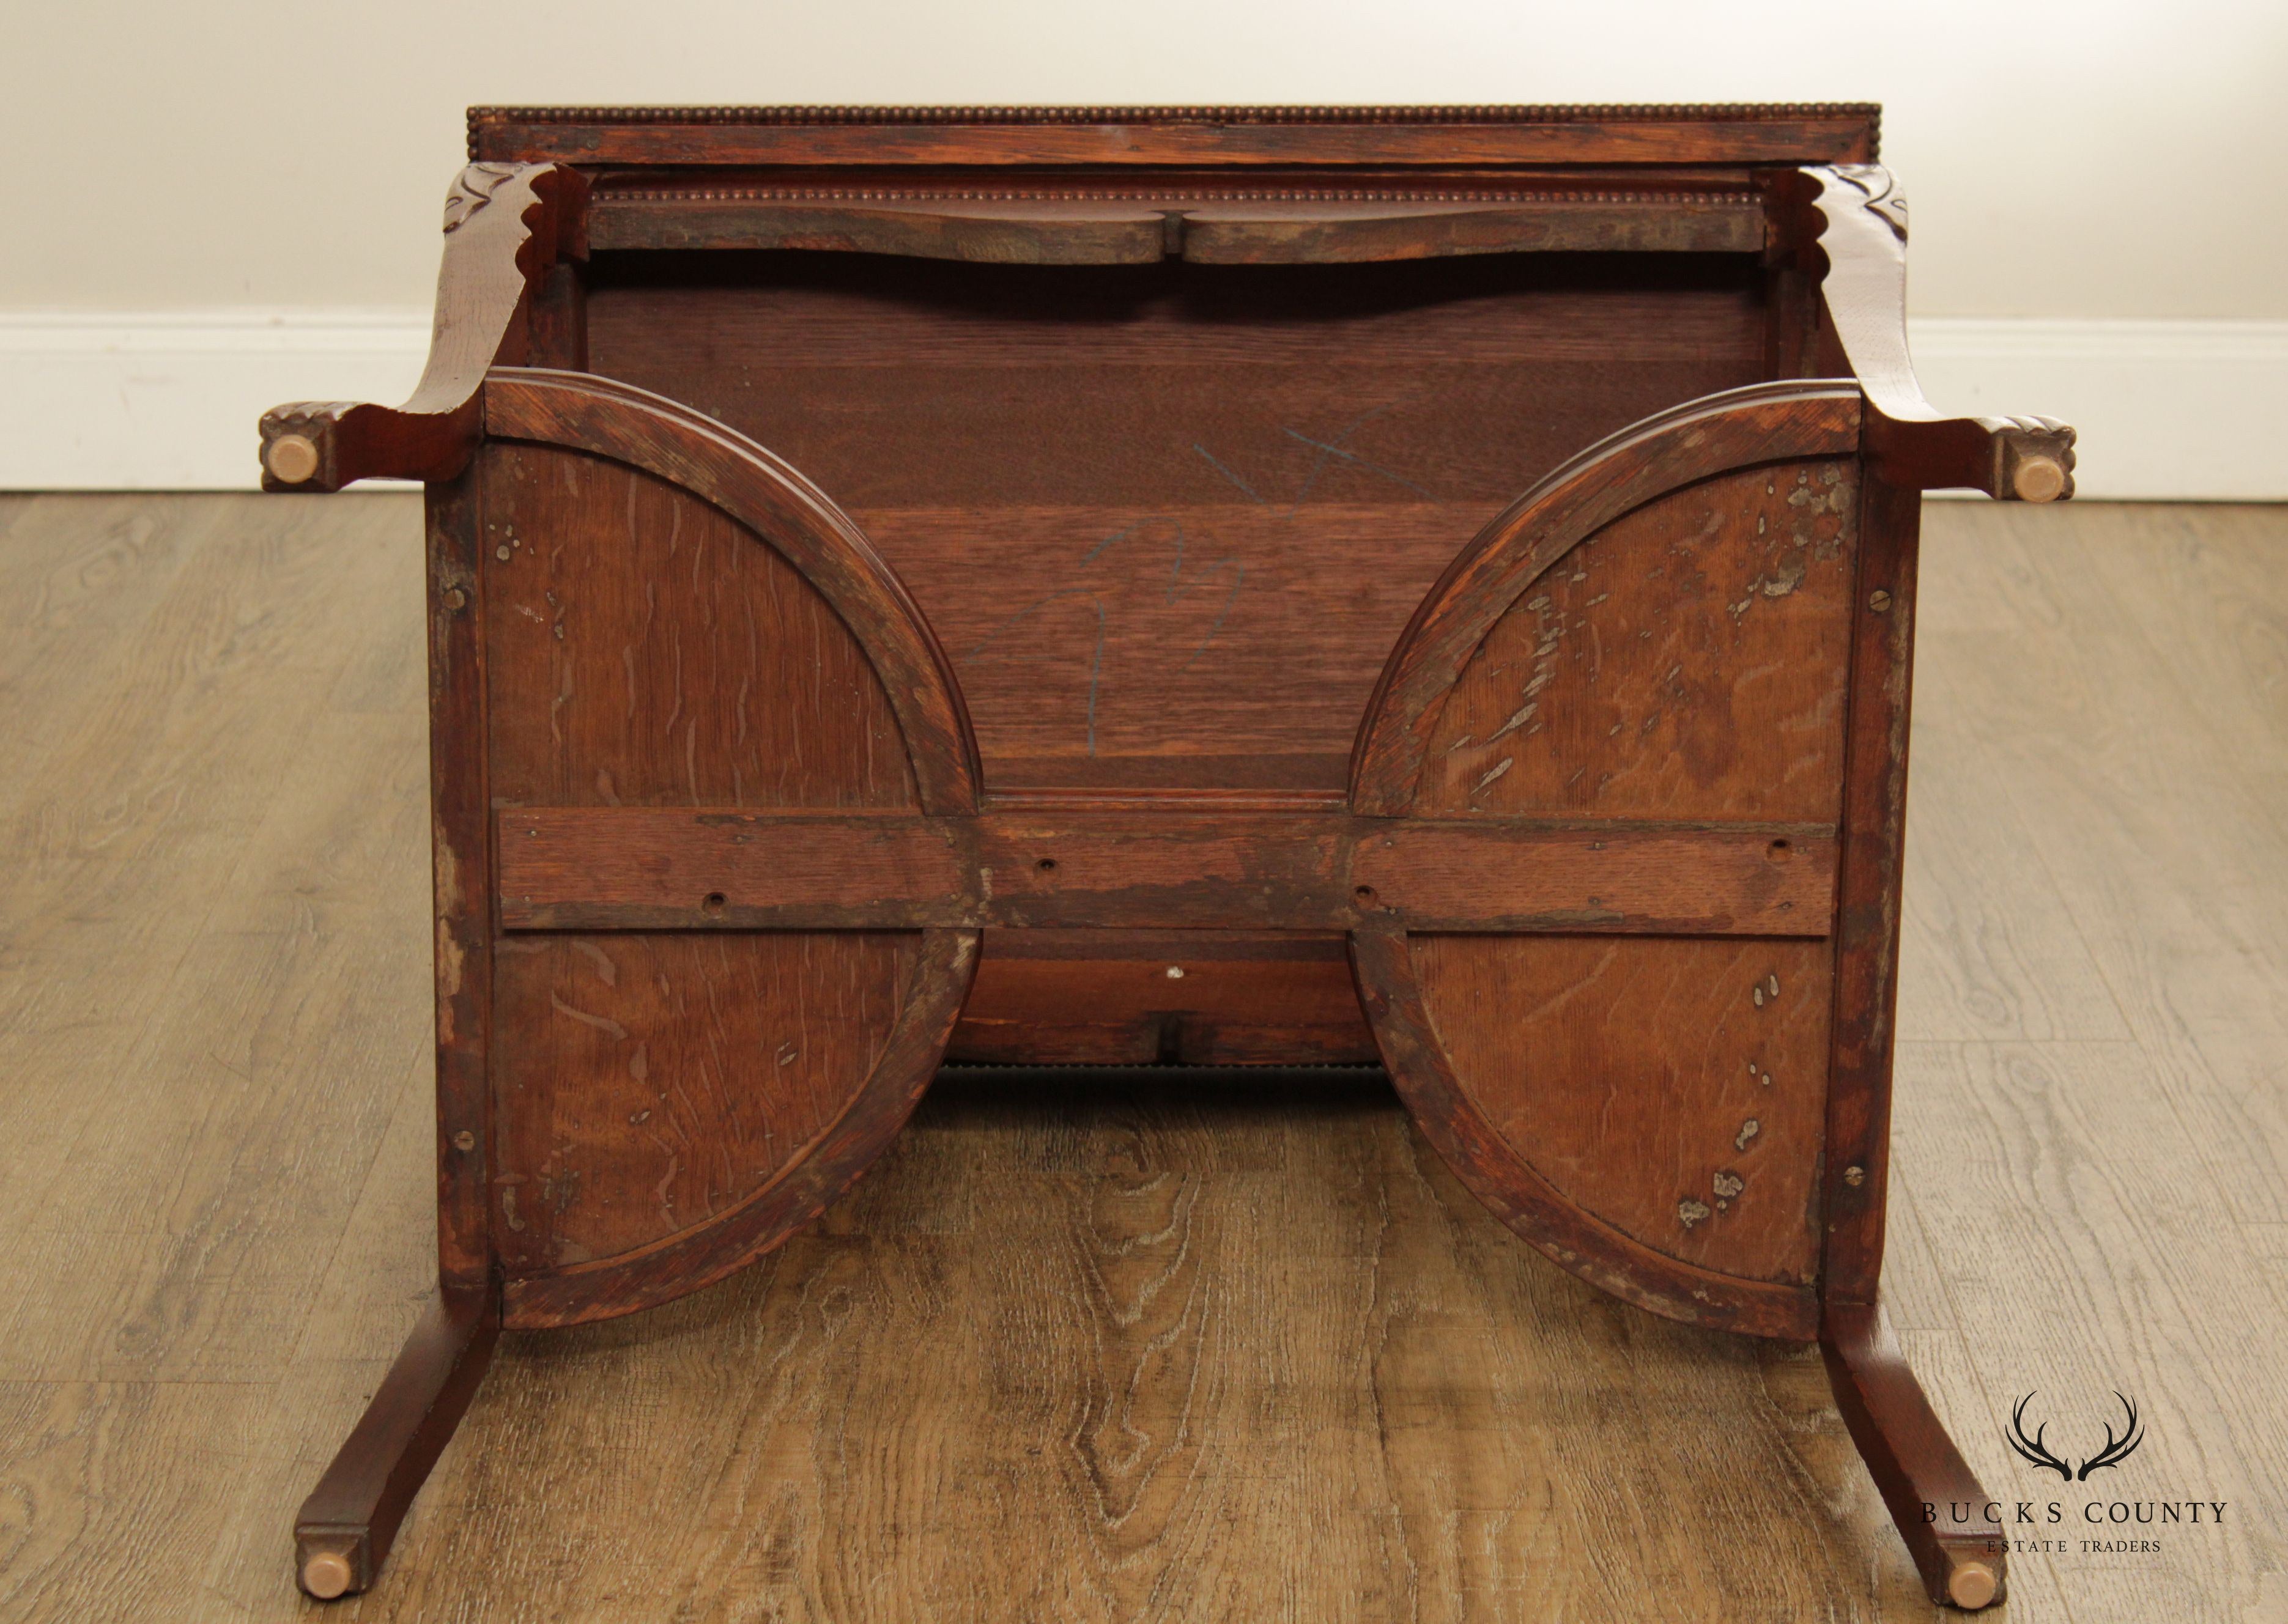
2114,1451
2033,1450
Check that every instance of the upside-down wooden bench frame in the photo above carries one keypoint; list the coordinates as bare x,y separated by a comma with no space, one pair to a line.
766,859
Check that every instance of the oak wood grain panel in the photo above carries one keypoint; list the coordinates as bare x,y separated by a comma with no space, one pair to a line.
645,649
862,1114
1444,1099
1145,997
594,868
1238,483
1699,439
782,509
1675,1088
1689,660
648,1084
874,314
1212,643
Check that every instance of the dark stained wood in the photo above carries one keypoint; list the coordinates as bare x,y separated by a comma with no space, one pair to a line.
1765,423
1591,1247
1171,418
1952,1530
677,445
1239,482
799,1189
1673,1087
1842,132
506,227
1661,631
1280,233
648,649
343,1532
462,883
648,1085
1286,225
1107,998
1860,218
1867,918
982,229
642,869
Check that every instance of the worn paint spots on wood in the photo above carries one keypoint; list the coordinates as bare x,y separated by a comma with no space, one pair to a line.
1631,1075
1689,659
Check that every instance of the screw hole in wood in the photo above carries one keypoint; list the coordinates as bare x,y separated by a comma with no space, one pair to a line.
714,902
1779,851
1048,865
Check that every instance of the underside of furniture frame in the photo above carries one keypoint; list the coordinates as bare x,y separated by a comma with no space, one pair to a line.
1393,863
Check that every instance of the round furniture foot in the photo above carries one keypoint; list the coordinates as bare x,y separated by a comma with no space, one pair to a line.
1971,1585
326,1574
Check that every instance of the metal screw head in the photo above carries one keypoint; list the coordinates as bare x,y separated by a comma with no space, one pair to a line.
465,1140
1878,600
1854,1176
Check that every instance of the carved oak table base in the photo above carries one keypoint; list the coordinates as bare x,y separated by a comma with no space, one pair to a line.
1598,852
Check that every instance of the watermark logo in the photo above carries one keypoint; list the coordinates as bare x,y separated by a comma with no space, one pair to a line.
2032,1449
2086,1526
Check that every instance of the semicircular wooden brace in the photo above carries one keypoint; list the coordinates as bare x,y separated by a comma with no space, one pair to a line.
813,1177
687,448
1701,437
1547,1217
1647,1111
674,618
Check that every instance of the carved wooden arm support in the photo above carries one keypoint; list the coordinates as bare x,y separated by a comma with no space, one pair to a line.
505,226
1857,225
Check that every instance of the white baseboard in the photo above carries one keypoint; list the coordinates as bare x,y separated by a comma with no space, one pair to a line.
2166,410
168,401
2182,411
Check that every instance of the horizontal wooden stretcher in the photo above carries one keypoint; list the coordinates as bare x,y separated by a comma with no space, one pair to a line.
1114,585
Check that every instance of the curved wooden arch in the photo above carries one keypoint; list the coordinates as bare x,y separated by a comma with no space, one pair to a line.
605,418
1522,1051
1702,438
706,1252
1547,1219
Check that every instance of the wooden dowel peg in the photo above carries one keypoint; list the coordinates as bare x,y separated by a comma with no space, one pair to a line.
291,458
1972,1585
2039,479
326,1574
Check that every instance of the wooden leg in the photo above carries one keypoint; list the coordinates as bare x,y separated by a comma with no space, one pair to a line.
343,1530
1952,1530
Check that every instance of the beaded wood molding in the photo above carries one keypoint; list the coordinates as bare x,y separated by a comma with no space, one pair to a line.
1523,114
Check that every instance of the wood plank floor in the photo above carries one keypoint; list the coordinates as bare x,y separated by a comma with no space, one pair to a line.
1088,1348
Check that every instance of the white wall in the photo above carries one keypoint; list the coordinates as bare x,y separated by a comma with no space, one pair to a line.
212,206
